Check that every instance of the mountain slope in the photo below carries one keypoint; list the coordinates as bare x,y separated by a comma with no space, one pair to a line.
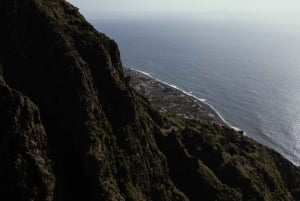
73,129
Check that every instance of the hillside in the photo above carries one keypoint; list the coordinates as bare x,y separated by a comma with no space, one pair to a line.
72,128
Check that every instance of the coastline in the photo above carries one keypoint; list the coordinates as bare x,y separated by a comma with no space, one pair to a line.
144,83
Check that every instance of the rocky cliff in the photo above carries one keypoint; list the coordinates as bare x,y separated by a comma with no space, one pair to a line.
71,128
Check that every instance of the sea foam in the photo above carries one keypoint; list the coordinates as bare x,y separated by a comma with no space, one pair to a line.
191,95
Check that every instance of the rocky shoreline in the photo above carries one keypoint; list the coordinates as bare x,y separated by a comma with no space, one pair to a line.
168,99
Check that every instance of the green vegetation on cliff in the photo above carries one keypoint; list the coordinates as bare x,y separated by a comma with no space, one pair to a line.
71,128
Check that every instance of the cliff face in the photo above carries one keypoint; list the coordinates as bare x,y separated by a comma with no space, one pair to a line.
71,128
95,144
25,167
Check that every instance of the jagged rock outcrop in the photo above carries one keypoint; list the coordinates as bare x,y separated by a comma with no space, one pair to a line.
71,128
25,169
100,146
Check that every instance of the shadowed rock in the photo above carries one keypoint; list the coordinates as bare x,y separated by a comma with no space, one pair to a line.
71,128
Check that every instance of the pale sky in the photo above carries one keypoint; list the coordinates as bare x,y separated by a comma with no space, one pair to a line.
106,8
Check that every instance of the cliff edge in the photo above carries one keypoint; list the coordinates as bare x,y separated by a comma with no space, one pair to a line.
71,127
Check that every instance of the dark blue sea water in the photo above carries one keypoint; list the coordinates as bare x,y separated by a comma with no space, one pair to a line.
248,70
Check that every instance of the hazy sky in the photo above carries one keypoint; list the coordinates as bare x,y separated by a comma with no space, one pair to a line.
102,8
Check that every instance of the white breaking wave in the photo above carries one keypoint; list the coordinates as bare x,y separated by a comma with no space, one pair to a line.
191,95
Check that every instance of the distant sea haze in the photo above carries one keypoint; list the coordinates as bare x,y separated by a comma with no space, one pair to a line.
249,71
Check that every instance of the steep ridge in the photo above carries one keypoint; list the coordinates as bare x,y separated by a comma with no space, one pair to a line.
101,148
25,167
72,128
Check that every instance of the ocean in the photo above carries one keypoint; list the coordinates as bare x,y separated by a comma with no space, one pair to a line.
247,69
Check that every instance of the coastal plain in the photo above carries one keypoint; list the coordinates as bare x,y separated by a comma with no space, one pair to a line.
73,129
170,99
